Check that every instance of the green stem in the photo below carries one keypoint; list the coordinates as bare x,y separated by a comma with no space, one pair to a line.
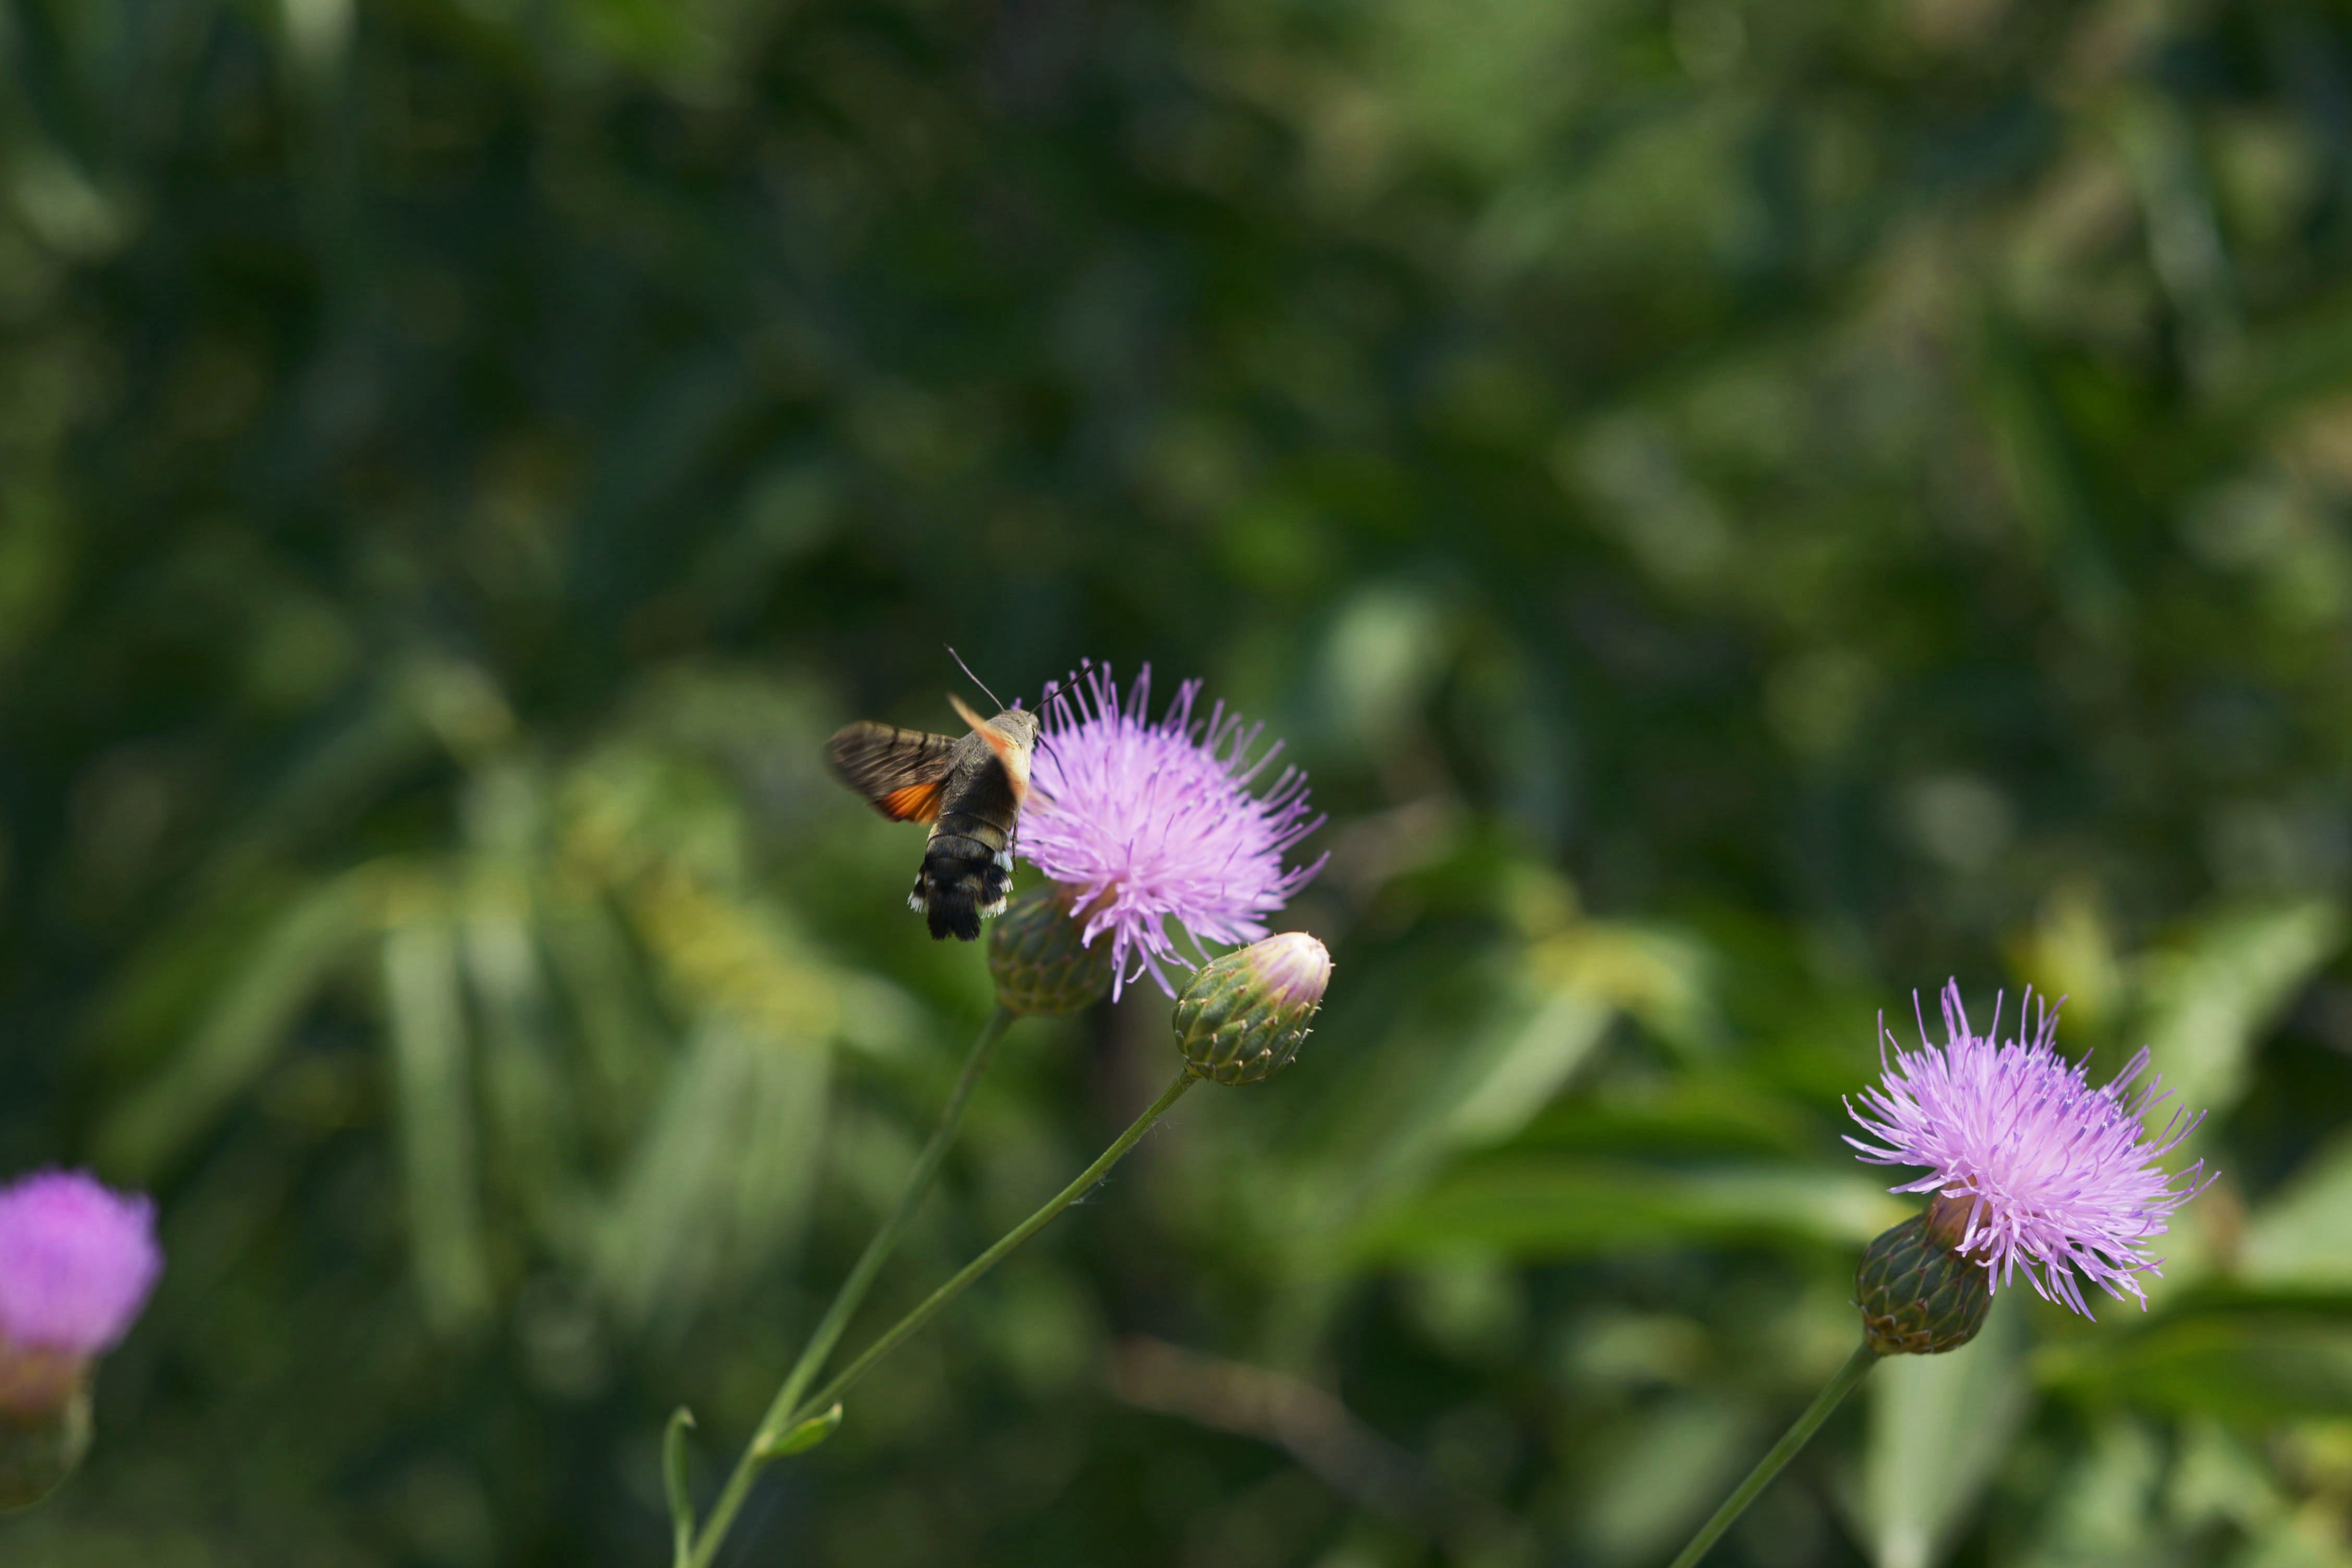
853,1290
824,1399
739,1485
1794,1438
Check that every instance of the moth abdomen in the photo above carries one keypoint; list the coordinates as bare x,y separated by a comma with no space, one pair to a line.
963,878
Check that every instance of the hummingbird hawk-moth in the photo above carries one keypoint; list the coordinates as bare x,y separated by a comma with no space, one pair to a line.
969,790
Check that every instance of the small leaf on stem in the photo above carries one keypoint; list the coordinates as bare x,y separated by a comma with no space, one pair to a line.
800,1439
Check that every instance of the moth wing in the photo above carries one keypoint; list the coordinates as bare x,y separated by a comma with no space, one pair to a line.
1011,752
902,773
916,803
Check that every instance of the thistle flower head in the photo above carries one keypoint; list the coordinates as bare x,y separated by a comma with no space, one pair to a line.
75,1264
2035,1170
1149,823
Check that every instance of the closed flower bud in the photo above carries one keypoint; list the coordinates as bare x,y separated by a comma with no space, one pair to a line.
1919,1295
1040,958
1240,1017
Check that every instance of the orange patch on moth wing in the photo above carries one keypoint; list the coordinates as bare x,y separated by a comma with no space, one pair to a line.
915,803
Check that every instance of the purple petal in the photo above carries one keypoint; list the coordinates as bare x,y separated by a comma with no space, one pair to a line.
77,1262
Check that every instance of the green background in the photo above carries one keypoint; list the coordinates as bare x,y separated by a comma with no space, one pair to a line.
1745,509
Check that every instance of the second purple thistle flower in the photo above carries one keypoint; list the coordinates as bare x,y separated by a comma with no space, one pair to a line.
2034,1169
1147,822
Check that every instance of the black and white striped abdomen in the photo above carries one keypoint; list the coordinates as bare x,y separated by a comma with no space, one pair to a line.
967,869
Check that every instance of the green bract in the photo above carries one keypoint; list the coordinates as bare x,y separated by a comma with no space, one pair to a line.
1039,961
1918,1296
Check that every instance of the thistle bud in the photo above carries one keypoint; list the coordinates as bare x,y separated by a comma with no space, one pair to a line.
1040,959
1919,1295
39,1454
77,1262
1240,1017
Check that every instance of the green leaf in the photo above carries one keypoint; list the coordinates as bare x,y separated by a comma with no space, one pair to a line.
673,1480
1661,1472
2243,1365
1544,1207
800,1439
2104,1503
242,1028
431,1058
2303,1237
719,1178
2210,1001
1938,1427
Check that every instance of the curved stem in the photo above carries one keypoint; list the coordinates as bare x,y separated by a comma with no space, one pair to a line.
1794,1438
852,1290
739,1485
825,1397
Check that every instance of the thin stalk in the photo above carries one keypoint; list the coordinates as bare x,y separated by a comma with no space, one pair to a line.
824,1399
722,1514
1794,1438
852,1290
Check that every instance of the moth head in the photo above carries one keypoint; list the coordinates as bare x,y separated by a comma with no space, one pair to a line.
1012,735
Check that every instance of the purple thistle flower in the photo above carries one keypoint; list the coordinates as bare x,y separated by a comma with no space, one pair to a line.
2056,1178
77,1262
1149,822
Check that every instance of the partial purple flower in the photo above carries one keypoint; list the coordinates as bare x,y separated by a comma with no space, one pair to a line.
2054,1178
77,1262
1149,823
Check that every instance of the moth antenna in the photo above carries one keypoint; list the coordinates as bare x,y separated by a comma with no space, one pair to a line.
976,680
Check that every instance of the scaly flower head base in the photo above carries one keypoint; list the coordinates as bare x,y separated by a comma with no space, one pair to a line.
2035,1171
39,1455
1039,957
1918,1296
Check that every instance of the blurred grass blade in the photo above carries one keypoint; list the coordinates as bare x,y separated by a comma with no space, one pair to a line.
1518,1068
2302,1239
434,1101
722,1174
2209,1001
675,1485
2251,1366
1548,1208
1575,984
241,1031
1661,1473
1544,1031
533,1134
1938,1427
2103,1509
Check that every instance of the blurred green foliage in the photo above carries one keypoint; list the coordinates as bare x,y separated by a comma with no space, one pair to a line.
1745,509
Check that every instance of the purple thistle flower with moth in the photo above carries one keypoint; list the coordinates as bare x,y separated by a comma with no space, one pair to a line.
1146,823
2040,1172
